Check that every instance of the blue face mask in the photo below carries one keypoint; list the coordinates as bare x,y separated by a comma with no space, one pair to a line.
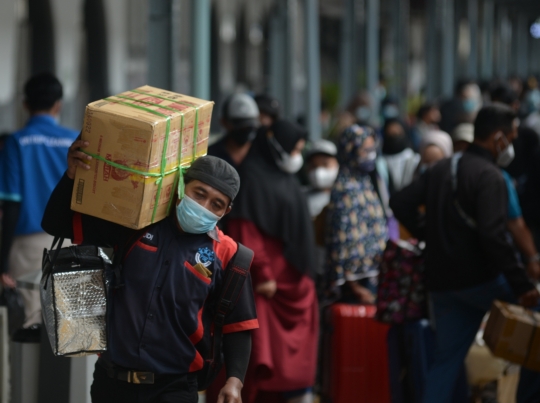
469,105
194,218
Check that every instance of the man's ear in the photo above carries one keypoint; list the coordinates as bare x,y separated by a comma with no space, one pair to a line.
228,210
56,108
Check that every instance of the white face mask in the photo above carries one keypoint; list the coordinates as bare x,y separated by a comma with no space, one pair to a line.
323,178
290,164
507,155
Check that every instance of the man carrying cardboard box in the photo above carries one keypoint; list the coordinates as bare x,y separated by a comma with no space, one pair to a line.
469,261
155,320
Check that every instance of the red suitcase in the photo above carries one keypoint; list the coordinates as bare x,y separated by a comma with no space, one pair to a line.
355,356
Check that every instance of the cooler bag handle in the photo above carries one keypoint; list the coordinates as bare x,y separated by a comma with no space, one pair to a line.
47,270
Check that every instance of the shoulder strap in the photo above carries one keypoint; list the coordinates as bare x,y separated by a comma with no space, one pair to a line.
454,169
236,274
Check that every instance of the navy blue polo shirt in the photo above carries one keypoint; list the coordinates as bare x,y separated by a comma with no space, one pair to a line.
155,320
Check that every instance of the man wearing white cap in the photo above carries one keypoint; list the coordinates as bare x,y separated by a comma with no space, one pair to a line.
240,119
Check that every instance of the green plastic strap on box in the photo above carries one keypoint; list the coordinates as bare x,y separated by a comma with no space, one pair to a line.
181,170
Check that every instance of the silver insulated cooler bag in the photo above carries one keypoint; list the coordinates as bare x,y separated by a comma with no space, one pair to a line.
74,299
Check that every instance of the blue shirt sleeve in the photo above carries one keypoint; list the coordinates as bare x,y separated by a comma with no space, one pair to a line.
10,171
514,209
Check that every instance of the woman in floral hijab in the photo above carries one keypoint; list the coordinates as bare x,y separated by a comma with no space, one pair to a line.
357,218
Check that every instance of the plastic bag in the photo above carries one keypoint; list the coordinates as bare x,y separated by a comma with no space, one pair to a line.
11,298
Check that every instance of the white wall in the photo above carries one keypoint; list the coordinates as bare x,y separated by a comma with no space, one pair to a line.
8,56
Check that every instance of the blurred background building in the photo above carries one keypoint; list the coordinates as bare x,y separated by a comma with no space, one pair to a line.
300,51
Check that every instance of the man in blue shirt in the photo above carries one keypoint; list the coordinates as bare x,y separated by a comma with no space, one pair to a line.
32,162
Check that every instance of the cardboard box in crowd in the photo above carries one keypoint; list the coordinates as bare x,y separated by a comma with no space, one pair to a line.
513,333
131,129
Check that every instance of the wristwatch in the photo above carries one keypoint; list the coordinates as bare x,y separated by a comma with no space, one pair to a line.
535,258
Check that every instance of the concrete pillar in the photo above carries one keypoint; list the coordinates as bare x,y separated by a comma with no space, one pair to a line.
117,40
472,17
277,50
160,58
347,53
522,41
504,29
432,49
42,34
448,48
200,60
289,92
402,51
313,93
488,24
372,45
9,47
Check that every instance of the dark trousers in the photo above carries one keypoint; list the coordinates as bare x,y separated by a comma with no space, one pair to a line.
166,389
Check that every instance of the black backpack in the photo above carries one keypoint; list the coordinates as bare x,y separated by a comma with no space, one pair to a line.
214,313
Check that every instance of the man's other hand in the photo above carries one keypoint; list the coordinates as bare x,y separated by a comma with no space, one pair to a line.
363,295
76,158
533,270
231,392
530,298
268,288
7,281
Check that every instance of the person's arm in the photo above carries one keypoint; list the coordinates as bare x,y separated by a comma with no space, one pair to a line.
10,218
249,235
491,221
405,205
236,352
11,194
524,241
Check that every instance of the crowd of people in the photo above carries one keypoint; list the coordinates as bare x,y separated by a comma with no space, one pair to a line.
463,176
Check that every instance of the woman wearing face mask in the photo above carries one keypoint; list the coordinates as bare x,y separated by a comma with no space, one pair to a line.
271,217
400,160
322,170
358,218
435,146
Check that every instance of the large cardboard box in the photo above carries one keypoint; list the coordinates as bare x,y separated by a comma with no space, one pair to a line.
139,140
513,333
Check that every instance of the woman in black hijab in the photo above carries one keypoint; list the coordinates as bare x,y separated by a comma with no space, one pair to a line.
270,216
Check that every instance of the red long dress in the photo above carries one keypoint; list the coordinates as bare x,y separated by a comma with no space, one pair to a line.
284,352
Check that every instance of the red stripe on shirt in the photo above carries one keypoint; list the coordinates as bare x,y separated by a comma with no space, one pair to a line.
198,334
131,248
145,246
225,248
77,229
197,362
241,326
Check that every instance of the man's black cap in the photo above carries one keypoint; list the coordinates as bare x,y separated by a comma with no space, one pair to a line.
217,173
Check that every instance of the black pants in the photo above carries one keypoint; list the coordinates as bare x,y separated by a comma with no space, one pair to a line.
169,389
